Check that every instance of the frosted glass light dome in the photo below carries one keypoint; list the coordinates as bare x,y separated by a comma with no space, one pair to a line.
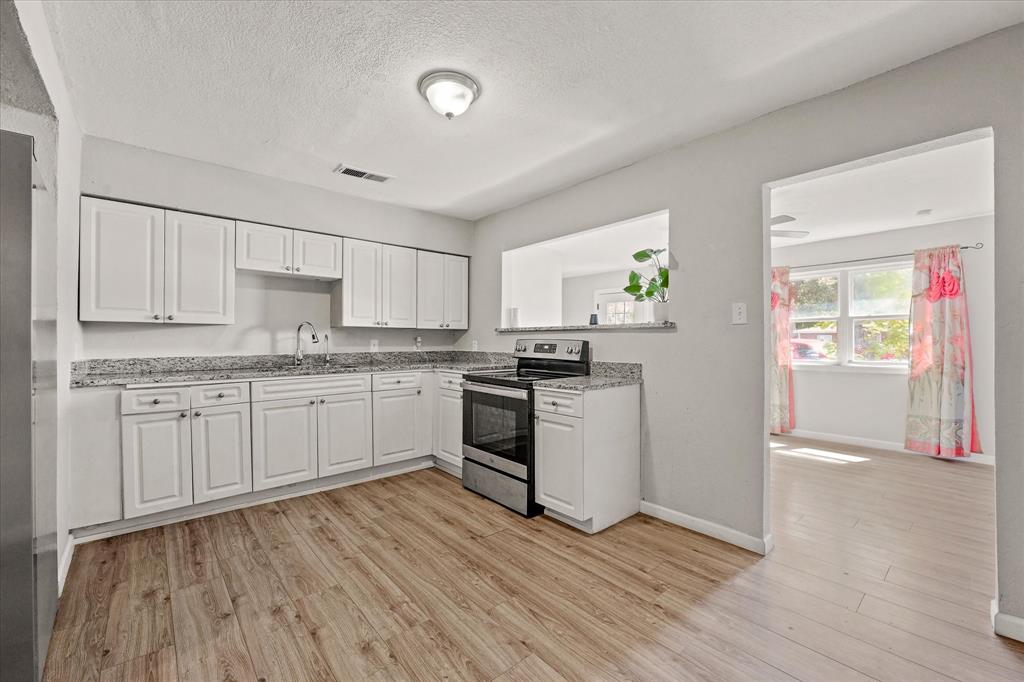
449,93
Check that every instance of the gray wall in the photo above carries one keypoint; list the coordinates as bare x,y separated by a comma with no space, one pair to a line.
704,435
578,294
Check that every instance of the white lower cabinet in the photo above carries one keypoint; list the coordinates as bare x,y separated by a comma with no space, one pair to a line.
156,459
397,432
344,433
559,463
221,452
284,442
448,426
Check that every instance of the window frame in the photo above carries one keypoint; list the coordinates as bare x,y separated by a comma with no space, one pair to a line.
845,323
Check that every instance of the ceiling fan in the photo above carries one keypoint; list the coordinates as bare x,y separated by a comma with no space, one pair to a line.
791,234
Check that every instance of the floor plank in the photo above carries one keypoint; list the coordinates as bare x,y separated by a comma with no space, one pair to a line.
883,569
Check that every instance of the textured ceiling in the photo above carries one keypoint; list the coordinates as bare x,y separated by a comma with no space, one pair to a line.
953,182
569,89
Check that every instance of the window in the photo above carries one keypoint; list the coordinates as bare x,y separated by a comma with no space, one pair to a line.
615,307
852,316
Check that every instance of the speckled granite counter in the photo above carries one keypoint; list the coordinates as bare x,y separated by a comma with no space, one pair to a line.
184,370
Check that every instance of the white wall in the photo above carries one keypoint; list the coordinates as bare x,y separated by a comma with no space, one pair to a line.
578,294
267,308
704,447
531,280
871,406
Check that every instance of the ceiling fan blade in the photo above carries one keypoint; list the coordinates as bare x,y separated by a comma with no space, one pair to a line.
792,234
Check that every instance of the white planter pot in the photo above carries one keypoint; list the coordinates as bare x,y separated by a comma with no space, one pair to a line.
660,311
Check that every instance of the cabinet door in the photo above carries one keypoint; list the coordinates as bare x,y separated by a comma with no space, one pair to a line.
345,430
360,285
559,464
449,426
317,255
221,452
121,262
429,290
156,461
199,257
398,287
263,247
456,292
283,442
395,425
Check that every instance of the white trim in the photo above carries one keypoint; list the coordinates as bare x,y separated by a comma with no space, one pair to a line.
877,444
704,527
448,467
120,527
852,368
65,563
1009,626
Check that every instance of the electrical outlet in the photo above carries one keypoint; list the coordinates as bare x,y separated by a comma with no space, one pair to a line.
374,345
739,313
476,345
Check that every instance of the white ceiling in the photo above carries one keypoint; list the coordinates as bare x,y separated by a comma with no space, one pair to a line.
570,90
954,182
609,248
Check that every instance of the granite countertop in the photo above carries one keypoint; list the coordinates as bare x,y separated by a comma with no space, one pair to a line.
190,370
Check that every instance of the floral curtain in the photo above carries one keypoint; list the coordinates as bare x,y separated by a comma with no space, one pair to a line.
780,412
940,407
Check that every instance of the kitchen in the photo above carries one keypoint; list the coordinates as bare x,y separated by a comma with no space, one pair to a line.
299,377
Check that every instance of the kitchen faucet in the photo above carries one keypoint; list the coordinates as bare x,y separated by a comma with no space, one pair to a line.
298,340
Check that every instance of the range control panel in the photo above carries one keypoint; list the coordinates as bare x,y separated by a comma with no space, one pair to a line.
559,349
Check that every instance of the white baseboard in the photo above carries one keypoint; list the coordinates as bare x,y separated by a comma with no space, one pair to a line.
715,530
877,444
448,467
1008,626
65,563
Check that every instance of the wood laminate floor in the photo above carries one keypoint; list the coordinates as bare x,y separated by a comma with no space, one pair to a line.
883,569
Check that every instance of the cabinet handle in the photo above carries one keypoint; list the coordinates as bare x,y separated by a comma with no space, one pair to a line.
170,317
398,381
220,395
156,401
183,415
323,400
419,391
288,268
156,317
197,413
297,268
447,324
441,325
312,402
386,322
553,403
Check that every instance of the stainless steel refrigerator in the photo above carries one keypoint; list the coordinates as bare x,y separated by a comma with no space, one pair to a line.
28,425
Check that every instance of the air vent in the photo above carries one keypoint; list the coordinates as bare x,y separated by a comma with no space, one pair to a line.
342,169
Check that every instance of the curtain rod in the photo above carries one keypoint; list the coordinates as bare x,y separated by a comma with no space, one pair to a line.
978,245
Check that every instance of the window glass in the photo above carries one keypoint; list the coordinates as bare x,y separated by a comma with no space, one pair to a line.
880,292
816,297
815,340
881,340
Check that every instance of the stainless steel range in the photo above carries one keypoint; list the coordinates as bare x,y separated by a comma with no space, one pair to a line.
498,418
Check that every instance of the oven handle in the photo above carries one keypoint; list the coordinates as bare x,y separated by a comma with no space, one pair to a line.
515,393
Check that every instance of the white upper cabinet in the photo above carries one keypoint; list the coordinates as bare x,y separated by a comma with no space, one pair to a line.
121,262
263,247
456,292
316,255
199,259
442,291
429,290
360,286
398,288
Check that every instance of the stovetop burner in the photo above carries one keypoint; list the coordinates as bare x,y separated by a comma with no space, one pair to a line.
537,361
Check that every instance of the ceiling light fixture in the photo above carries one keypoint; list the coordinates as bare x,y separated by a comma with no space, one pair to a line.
449,93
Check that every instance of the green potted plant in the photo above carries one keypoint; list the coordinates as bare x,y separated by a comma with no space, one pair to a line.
651,289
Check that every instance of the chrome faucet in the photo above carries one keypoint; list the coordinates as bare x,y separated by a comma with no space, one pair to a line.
298,340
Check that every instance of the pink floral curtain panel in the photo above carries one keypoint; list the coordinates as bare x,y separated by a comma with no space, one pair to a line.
780,412
940,409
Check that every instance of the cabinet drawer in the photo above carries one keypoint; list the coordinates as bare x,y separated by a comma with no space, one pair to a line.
142,400
450,380
219,394
387,382
558,402
305,387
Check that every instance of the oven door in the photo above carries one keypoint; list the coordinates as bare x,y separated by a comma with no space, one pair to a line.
496,427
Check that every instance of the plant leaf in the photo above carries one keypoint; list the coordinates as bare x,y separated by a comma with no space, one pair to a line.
640,299
643,256
634,277
633,289
663,278
652,289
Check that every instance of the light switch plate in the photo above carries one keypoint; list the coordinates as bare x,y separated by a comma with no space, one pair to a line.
374,345
739,313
